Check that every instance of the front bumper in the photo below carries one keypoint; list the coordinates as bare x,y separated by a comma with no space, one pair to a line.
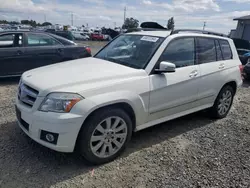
65,125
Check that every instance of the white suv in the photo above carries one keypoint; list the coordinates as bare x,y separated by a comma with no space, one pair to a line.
96,103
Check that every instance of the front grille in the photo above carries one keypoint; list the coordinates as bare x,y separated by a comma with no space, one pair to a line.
27,95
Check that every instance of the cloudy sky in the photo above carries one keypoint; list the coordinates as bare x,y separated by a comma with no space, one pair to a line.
218,14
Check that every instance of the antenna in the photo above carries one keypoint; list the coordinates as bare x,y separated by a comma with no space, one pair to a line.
72,21
204,26
125,9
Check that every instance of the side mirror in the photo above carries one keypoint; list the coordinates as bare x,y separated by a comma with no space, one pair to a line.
165,67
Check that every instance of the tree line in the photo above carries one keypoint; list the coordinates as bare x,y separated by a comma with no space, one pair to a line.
32,23
131,23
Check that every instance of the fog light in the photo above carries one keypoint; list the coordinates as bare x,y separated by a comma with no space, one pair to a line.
50,137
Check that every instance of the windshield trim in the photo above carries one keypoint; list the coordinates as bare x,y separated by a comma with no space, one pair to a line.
141,34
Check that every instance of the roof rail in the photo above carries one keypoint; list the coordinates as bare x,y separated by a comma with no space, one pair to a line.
198,31
145,29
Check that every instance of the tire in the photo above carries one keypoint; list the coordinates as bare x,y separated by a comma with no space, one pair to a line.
108,149
220,102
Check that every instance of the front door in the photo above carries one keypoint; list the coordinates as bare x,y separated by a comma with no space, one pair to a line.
173,93
10,54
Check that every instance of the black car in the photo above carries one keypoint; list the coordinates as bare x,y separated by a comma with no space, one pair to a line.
23,50
65,34
243,49
246,71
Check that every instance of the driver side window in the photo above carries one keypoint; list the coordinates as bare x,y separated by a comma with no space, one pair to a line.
180,51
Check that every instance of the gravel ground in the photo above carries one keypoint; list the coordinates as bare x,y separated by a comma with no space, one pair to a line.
193,151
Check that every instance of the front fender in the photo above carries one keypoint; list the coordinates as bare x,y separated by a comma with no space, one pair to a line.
87,106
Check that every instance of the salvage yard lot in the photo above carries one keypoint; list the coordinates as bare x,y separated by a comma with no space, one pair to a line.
193,151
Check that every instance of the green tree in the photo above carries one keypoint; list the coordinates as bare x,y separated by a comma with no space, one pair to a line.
46,24
13,22
171,23
130,23
29,22
3,22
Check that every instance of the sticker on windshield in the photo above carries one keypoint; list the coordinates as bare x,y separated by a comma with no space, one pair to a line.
149,39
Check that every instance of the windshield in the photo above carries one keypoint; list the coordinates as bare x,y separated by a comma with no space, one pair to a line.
131,50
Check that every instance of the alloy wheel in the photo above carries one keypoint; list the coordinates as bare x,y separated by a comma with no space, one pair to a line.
225,102
108,137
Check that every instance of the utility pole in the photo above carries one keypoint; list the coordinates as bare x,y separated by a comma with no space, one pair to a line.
204,26
45,20
72,22
125,9
115,24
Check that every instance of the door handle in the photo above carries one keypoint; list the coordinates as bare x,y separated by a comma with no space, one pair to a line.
60,50
193,74
222,66
19,52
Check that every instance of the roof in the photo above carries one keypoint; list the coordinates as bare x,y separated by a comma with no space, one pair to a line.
152,33
182,33
243,18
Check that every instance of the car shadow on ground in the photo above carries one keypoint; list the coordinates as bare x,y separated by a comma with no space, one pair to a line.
9,81
25,159
246,83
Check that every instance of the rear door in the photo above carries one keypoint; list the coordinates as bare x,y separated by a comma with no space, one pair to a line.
212,67
11,54
41,50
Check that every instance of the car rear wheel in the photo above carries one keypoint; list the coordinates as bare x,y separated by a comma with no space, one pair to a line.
105,135
223,102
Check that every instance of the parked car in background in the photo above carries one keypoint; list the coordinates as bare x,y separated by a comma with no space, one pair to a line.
97,36
243,49
21,51
94,104
246,70
65,34
80,36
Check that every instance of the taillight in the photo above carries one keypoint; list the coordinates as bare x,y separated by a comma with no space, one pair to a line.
88,50
241,67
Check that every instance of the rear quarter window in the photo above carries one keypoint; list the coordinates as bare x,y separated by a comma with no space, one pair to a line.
226,49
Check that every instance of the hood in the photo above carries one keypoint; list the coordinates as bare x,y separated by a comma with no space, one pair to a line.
78,75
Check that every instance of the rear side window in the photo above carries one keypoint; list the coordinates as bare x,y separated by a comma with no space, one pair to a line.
180,52
7,40
218,51
41,40
226,50
205,49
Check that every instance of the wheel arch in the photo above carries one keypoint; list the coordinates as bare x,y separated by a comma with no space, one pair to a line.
121,105
233,84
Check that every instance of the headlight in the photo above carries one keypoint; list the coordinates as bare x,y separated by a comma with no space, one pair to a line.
60,102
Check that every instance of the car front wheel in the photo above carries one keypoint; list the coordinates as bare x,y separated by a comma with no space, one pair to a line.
105,135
